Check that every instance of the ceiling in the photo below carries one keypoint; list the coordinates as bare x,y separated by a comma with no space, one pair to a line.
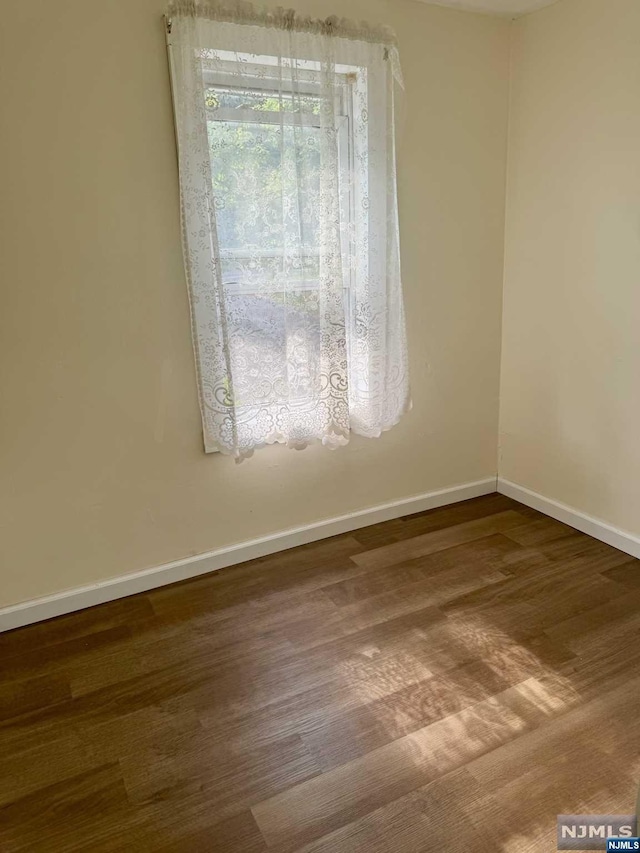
508,8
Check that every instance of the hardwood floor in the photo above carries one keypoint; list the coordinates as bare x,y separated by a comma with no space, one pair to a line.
449,681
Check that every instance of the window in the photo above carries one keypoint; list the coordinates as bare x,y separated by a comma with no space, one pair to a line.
265,145
287,174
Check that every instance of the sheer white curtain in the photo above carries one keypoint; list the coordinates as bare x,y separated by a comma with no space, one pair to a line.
285,132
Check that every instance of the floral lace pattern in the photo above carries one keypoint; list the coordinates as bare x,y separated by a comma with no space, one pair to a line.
290,229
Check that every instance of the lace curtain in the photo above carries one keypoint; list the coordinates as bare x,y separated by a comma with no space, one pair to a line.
285,130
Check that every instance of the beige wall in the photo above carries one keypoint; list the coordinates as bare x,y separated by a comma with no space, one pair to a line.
570,402
102,471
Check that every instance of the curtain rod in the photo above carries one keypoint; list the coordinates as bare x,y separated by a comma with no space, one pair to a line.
241,12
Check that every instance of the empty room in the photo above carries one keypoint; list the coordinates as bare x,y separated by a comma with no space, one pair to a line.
320,404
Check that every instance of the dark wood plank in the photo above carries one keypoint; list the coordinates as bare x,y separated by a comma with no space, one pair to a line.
440,540
54,656
628,574
237,834
79,813
539,531
33,694
93,620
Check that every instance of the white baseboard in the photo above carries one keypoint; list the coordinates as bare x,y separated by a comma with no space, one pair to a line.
595,527
70,600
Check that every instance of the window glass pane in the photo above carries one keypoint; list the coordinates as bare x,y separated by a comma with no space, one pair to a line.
219,97
266,181
265,209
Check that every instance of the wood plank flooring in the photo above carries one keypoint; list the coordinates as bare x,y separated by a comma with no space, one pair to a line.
449,681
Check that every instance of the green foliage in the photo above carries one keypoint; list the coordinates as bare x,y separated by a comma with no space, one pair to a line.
300,104
265,176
